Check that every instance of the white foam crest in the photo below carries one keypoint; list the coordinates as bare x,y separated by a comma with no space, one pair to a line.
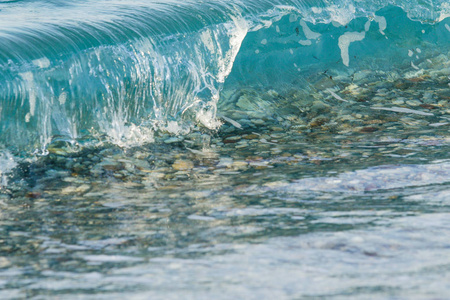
236,32
209,72
444,13
341,15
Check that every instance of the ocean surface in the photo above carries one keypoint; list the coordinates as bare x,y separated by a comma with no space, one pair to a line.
270,149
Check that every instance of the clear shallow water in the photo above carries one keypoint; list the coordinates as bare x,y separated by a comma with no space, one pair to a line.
259,150
233,224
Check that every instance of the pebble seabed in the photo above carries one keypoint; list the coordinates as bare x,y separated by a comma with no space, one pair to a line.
340,193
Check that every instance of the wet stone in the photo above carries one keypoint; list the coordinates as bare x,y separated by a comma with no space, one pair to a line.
181,165
428,106
231,139
68,190
258,121
78,167
111,165
319,107
96,171
140,155
398,101
276,128
413,102
82,188
4,262
225,162
118,175
318,121
368,129
173,140
241,145
250,136
239,165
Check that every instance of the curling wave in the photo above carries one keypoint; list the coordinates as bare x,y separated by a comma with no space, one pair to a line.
81,70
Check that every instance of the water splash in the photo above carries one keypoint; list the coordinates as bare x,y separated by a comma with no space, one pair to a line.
7,163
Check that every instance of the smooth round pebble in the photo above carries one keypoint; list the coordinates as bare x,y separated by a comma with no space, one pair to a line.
181,165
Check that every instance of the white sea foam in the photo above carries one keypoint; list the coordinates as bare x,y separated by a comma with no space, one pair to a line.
377,178
341,15
42,63
127,136
309,34
382,24
305,42
344,42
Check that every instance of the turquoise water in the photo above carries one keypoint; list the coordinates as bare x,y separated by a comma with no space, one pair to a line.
224,149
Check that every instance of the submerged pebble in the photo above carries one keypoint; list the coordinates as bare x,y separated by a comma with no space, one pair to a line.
239,165
181,165
413,102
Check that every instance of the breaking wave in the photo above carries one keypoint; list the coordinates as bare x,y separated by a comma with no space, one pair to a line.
82,70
